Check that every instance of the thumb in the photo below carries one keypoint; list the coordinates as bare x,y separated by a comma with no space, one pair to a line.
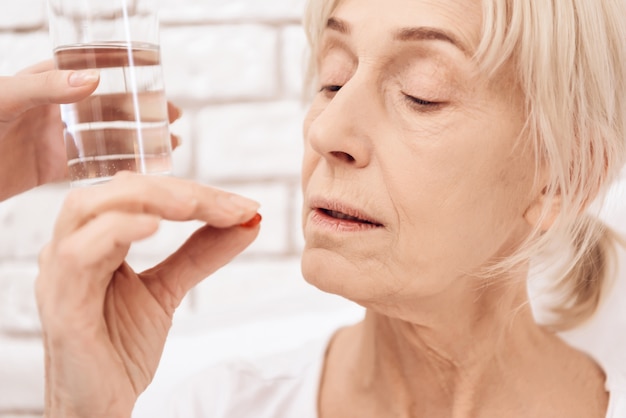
25,91
207,250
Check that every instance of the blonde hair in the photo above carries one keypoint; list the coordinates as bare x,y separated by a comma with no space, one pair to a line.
570,58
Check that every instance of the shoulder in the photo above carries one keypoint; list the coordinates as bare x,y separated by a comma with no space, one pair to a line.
281,385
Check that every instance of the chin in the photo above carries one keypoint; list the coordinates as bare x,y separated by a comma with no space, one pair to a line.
315,271
332,273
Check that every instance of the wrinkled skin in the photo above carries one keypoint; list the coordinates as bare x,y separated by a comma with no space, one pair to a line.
104,325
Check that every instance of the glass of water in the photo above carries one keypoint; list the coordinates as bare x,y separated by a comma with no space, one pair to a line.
123,125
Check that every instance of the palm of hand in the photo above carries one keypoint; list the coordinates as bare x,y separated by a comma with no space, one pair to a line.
137,322
118,340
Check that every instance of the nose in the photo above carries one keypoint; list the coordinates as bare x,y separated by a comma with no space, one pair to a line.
340,130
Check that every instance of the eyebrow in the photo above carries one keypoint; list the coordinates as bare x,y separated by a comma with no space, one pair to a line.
421,33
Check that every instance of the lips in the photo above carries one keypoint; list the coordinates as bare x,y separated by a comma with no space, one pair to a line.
343,214
344,217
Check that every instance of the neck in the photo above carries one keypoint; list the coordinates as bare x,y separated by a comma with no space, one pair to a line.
453,352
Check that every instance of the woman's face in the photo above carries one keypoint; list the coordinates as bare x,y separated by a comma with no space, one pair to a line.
415,175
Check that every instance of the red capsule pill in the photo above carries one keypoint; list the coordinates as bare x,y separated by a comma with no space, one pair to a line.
256,219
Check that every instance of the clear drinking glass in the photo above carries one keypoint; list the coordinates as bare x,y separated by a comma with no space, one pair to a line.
123,125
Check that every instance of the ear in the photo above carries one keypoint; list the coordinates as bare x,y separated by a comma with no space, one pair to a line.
544,210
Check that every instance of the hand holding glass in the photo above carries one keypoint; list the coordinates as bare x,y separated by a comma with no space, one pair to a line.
123,125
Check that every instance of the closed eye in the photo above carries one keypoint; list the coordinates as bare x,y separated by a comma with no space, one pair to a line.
422,104
330,89
419,101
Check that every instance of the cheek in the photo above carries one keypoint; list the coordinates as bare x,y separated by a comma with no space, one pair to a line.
458,208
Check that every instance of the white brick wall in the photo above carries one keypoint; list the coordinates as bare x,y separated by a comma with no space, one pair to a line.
235,67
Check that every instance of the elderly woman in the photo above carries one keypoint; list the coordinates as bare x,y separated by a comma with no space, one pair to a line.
449,143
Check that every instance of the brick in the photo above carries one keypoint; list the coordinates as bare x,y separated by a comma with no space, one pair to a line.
294,60
21,375
29,13
252,140
21,415
21,50
18,308
237,290
274,199
297,238
168,238
27,220
194,11
221,62
263,290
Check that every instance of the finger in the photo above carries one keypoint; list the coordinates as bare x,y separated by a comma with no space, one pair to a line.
205,251
168,197
108,238
176,141
78,268
174,112
40,67
23,92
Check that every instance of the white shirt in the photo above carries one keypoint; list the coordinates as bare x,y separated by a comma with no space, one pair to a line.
286,386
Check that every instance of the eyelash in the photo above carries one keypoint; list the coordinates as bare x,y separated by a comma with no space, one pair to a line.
330,89
421,104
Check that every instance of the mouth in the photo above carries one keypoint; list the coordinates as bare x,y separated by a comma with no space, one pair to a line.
345,217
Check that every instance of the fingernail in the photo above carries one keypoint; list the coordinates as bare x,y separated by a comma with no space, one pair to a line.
256,219
232,202
83,77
